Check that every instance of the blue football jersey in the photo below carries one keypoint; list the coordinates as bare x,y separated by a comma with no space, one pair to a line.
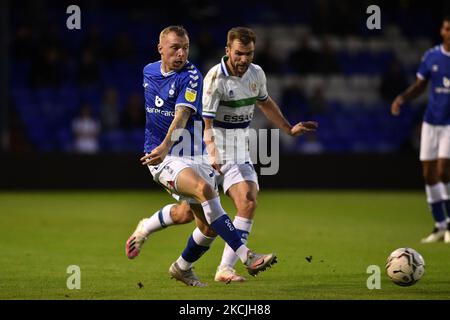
435,67
165,91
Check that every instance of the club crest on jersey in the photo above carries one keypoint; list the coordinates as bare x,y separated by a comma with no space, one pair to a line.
435,68
158,102
446,82
231,94
253,87
190,95
172,90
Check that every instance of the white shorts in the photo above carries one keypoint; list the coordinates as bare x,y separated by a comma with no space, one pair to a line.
234,173
434,142
166,174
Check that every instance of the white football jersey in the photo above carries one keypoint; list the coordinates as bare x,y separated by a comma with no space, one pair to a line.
230,101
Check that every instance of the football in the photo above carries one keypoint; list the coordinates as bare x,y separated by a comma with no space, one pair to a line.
405,266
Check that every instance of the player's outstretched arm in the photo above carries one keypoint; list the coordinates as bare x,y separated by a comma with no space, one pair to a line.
182,114
274,114
413,91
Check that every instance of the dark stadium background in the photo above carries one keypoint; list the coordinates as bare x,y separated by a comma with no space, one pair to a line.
321,61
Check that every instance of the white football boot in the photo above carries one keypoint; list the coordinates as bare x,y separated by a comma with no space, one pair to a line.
447,234
259,262
188,277
136,240
435,236
227,274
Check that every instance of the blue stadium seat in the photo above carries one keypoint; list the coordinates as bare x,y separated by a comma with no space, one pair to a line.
135,140
114,141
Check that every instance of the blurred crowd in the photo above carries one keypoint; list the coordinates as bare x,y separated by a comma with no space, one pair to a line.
81,91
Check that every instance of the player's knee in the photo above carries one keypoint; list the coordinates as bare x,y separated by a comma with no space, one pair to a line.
430,177
182,213
205,190
187,217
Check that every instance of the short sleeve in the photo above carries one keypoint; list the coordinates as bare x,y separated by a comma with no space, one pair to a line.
211,94
262,94
423,72
145,81
190,94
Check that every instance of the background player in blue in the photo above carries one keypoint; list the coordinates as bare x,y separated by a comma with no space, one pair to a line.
435,136
173,90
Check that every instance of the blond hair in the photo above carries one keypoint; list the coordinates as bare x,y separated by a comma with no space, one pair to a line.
178,30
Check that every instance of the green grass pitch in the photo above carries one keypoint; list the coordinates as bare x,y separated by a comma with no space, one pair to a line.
42,233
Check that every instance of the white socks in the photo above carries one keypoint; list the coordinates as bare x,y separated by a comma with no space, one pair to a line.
445,191
159,220
435,192
213,210
229,257
200,240
437,196
446,197
183,264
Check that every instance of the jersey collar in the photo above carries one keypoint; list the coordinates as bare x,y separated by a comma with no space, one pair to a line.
444,52
171,72
223,66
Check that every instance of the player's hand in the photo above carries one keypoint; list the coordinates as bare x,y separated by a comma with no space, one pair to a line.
303,127
212,152
395,107
155,157
213,159
216,166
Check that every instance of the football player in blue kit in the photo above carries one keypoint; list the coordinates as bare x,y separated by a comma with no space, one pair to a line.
175,152
435,135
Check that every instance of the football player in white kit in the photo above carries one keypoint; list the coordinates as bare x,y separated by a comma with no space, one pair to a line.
435,136
230,91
